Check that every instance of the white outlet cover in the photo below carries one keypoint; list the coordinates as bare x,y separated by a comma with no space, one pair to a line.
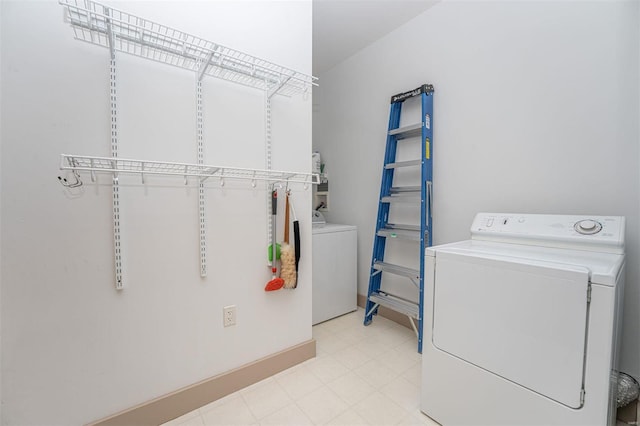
229,315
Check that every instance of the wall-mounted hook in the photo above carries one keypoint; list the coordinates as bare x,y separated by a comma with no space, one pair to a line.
76,182
93,172
114,167
71,184
186,180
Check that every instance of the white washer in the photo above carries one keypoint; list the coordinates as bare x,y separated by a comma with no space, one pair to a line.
521,323
334,273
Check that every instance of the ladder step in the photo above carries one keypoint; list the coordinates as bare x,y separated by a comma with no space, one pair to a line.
400,234
399,189
403,227
396,269
403,164
395,303
412,198
410,131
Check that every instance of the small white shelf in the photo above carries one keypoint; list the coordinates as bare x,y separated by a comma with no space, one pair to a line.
118,165
105,26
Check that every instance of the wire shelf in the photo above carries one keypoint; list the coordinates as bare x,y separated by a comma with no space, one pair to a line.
78,163
105,26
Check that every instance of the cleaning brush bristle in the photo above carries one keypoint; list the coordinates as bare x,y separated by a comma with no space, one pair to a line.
288,266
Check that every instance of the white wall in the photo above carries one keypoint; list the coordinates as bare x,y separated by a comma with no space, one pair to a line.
75,349
536,110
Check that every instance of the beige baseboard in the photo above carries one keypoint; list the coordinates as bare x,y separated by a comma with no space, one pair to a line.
386,312
182,401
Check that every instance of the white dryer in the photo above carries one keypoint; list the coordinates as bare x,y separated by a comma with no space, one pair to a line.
521,323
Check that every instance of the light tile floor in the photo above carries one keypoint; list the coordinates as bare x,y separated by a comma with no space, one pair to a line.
360,376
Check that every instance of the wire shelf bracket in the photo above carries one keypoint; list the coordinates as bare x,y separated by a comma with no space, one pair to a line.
115,188
120,31
201,198
267,161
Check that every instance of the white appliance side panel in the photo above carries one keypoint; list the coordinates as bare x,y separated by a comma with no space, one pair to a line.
334,273
524,323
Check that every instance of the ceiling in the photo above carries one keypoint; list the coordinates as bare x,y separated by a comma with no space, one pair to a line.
342,27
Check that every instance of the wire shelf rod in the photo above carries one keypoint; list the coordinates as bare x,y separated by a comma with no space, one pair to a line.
148,167
98,24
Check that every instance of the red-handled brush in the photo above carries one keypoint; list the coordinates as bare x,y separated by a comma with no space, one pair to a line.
276,282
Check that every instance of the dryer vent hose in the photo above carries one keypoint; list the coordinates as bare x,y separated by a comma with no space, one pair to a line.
628,390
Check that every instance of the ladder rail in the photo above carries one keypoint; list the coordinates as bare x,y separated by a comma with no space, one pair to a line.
383,211
427,194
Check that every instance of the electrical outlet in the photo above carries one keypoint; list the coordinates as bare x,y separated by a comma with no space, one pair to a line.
229,315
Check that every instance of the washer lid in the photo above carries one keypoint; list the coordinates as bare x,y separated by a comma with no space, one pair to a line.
332,227
603,267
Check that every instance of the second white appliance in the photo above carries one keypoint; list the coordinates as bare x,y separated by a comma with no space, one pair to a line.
334,271
522,322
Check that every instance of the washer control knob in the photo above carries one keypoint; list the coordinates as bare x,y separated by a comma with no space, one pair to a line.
587,227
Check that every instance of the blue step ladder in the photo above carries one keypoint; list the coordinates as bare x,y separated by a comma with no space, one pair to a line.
418,195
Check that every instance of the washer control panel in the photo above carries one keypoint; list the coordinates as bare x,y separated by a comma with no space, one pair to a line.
594,233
